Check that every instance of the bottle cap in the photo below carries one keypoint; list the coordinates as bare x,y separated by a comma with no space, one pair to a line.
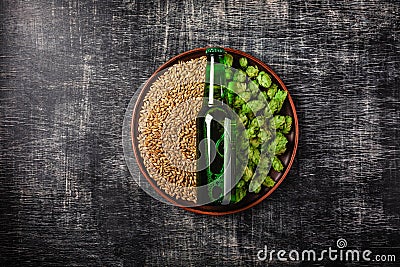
214,51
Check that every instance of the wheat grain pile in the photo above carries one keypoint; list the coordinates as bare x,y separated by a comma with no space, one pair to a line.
167,128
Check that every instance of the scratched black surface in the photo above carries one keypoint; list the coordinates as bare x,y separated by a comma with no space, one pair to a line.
69,69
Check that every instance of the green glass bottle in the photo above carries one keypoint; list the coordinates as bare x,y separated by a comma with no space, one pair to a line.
216,133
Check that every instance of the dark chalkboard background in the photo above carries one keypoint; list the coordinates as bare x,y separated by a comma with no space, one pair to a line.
69,69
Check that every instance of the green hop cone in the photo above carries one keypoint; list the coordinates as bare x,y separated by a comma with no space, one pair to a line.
227,60
239,76
287,125
277,164
252,71
243,63
268,182
272,91
263,79
228,73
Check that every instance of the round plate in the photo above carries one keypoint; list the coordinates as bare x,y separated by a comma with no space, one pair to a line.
251,199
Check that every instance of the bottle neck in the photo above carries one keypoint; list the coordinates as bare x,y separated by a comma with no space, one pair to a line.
211,86
215,78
